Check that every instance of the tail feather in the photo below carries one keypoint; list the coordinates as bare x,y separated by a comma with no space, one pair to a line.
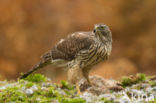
45,60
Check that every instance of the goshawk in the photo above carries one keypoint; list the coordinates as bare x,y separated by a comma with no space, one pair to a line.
78,52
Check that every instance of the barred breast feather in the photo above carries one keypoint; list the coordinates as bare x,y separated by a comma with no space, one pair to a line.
95,54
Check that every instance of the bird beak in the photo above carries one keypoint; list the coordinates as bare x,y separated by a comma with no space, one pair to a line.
94,30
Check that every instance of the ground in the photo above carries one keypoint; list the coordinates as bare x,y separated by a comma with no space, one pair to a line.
37,88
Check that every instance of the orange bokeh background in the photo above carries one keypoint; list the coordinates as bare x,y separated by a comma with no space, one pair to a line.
28,28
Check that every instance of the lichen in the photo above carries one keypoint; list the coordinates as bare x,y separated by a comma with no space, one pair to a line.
36,88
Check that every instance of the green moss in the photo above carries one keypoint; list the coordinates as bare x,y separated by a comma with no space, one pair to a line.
128,81
36,78
140,77
44,91
64,84
152,83
29,84
153,101
12,94
43,94
105,100
68,100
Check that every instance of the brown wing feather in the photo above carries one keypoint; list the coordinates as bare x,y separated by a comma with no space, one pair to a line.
67,48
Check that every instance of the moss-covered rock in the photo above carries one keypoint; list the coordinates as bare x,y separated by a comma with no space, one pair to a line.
37,88
128,81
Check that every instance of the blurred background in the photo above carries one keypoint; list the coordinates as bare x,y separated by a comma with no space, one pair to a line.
29,28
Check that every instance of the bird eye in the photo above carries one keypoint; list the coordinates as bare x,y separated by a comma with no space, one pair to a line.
102,27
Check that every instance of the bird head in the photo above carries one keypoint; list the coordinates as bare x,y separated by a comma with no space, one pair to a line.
102,32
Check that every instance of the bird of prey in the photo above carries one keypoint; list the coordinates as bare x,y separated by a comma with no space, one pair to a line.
78,52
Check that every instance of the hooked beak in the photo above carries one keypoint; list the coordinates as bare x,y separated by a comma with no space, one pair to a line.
94,30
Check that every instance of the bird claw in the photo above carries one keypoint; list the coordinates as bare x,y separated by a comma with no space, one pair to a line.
78,89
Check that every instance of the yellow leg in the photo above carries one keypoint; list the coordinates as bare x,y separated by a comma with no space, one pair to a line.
88,80
74,76
78,89
86,75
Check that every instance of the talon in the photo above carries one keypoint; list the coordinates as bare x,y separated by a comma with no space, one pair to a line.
78,89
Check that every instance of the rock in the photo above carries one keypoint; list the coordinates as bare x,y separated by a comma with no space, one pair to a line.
99,85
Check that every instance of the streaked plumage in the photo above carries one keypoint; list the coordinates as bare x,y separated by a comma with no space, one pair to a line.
79,52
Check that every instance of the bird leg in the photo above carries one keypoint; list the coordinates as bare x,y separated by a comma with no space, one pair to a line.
78,89
86,75
74,76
